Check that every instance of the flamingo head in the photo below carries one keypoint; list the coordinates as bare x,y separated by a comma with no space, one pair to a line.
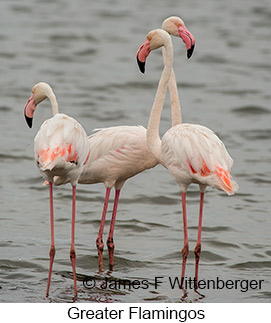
39,93
176,27
155,39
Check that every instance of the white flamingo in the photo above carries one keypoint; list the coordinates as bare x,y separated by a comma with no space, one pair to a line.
61,148
191,153
118,153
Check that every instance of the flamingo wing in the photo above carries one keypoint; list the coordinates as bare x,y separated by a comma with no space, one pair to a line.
193,153
61,140
117,153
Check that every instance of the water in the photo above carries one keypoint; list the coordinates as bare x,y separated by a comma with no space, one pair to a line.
86,51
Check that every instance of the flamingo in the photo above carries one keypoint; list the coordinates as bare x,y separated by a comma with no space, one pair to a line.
192,153
61,149
119,153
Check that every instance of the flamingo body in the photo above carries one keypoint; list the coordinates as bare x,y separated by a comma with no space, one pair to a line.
194,154
117,153
61,148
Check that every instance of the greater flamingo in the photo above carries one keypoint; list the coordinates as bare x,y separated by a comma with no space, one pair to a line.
191,153
61,149
118,153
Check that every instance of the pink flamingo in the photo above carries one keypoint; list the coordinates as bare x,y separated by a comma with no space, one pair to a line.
191,153
61,149
118,153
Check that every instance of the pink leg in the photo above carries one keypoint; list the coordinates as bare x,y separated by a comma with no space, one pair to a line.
185,247
99,241
110,242
52,249
197,249
72,251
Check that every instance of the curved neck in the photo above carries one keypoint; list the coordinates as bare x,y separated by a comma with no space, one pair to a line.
51,96
176,114
153,139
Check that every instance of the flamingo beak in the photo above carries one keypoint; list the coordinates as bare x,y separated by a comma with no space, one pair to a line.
190,51
188,39
28,121
29,110
142,54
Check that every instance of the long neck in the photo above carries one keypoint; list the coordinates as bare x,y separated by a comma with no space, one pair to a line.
176,114
51,96
153,139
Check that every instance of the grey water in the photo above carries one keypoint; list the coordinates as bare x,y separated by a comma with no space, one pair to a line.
86,51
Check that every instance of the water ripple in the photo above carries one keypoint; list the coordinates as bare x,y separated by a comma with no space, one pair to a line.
7,264
256,134
15,157
251,110
252,265
211,59
221,244
5,108
205,256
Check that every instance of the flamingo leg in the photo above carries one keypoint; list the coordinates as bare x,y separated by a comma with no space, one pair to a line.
185,249
99,241
72,251
52,249
110,242
197,249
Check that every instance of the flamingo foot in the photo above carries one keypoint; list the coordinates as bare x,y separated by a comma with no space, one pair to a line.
100,248
111,247
73,261
185,295
52,256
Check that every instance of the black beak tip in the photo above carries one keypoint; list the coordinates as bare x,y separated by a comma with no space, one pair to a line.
190,51
29,121
141,65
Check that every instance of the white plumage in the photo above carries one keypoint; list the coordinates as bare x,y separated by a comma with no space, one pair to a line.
194,154
61,148
116,154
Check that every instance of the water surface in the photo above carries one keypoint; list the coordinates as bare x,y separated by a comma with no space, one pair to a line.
86,51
